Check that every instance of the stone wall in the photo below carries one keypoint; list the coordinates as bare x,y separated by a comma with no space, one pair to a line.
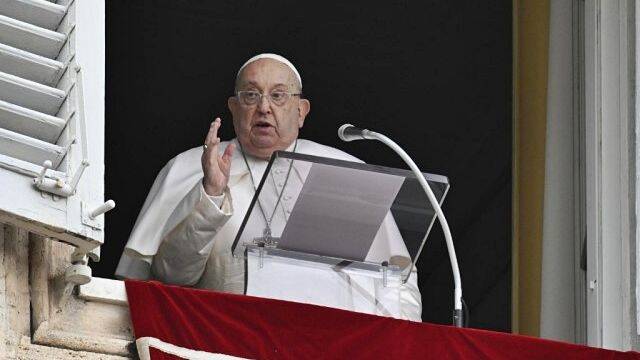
42,317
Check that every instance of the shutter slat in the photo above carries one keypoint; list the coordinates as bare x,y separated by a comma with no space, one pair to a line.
37,12
29,149
30,94
31,123
30,38
29,66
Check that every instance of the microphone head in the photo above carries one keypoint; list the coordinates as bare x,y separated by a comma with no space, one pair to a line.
342,135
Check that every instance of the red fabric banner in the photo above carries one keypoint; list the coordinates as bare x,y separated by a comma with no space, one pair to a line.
258,328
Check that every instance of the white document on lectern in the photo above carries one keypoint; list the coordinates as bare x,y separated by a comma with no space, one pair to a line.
339,211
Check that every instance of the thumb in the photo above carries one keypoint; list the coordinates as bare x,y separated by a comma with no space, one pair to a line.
228,152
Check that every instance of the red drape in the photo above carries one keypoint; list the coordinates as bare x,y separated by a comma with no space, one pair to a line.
258,328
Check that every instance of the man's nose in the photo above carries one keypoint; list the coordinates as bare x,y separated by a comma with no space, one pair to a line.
264,106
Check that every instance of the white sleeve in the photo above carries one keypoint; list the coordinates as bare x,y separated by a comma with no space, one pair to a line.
183,253
410,299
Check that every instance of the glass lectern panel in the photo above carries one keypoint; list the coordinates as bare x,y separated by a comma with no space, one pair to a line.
339,212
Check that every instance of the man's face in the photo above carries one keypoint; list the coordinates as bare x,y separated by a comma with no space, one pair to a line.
265,127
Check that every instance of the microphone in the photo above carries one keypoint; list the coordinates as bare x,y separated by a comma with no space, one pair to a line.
348,132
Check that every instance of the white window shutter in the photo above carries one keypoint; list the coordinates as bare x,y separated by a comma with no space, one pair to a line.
52,110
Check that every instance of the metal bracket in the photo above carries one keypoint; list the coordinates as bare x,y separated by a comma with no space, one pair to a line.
79,272
59,186
90,215
385,276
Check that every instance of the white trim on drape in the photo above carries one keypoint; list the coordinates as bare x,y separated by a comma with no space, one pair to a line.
144,343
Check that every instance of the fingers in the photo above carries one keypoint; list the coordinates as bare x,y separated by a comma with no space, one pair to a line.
212,139
209,134
216,168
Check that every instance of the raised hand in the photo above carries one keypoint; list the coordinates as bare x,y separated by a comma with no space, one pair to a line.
215,167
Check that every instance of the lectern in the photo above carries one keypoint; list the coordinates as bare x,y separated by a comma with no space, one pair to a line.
335,233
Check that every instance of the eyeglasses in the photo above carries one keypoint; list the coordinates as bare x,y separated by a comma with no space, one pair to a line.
250,98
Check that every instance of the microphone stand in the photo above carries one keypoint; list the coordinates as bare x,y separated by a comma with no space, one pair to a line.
457,295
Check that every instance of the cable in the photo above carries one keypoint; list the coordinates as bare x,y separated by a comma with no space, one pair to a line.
348,132
457,294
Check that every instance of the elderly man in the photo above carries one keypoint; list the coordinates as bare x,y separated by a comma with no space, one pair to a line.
194,209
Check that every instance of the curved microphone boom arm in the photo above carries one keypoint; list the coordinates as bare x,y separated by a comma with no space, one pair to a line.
348,132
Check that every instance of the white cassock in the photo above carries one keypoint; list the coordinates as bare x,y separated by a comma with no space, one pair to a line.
183,236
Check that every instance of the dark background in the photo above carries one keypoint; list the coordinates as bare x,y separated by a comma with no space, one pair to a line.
435,76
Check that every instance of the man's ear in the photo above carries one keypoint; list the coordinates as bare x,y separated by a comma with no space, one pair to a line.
232,103
304,106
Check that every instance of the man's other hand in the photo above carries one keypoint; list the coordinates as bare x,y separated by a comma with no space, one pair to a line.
215,167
